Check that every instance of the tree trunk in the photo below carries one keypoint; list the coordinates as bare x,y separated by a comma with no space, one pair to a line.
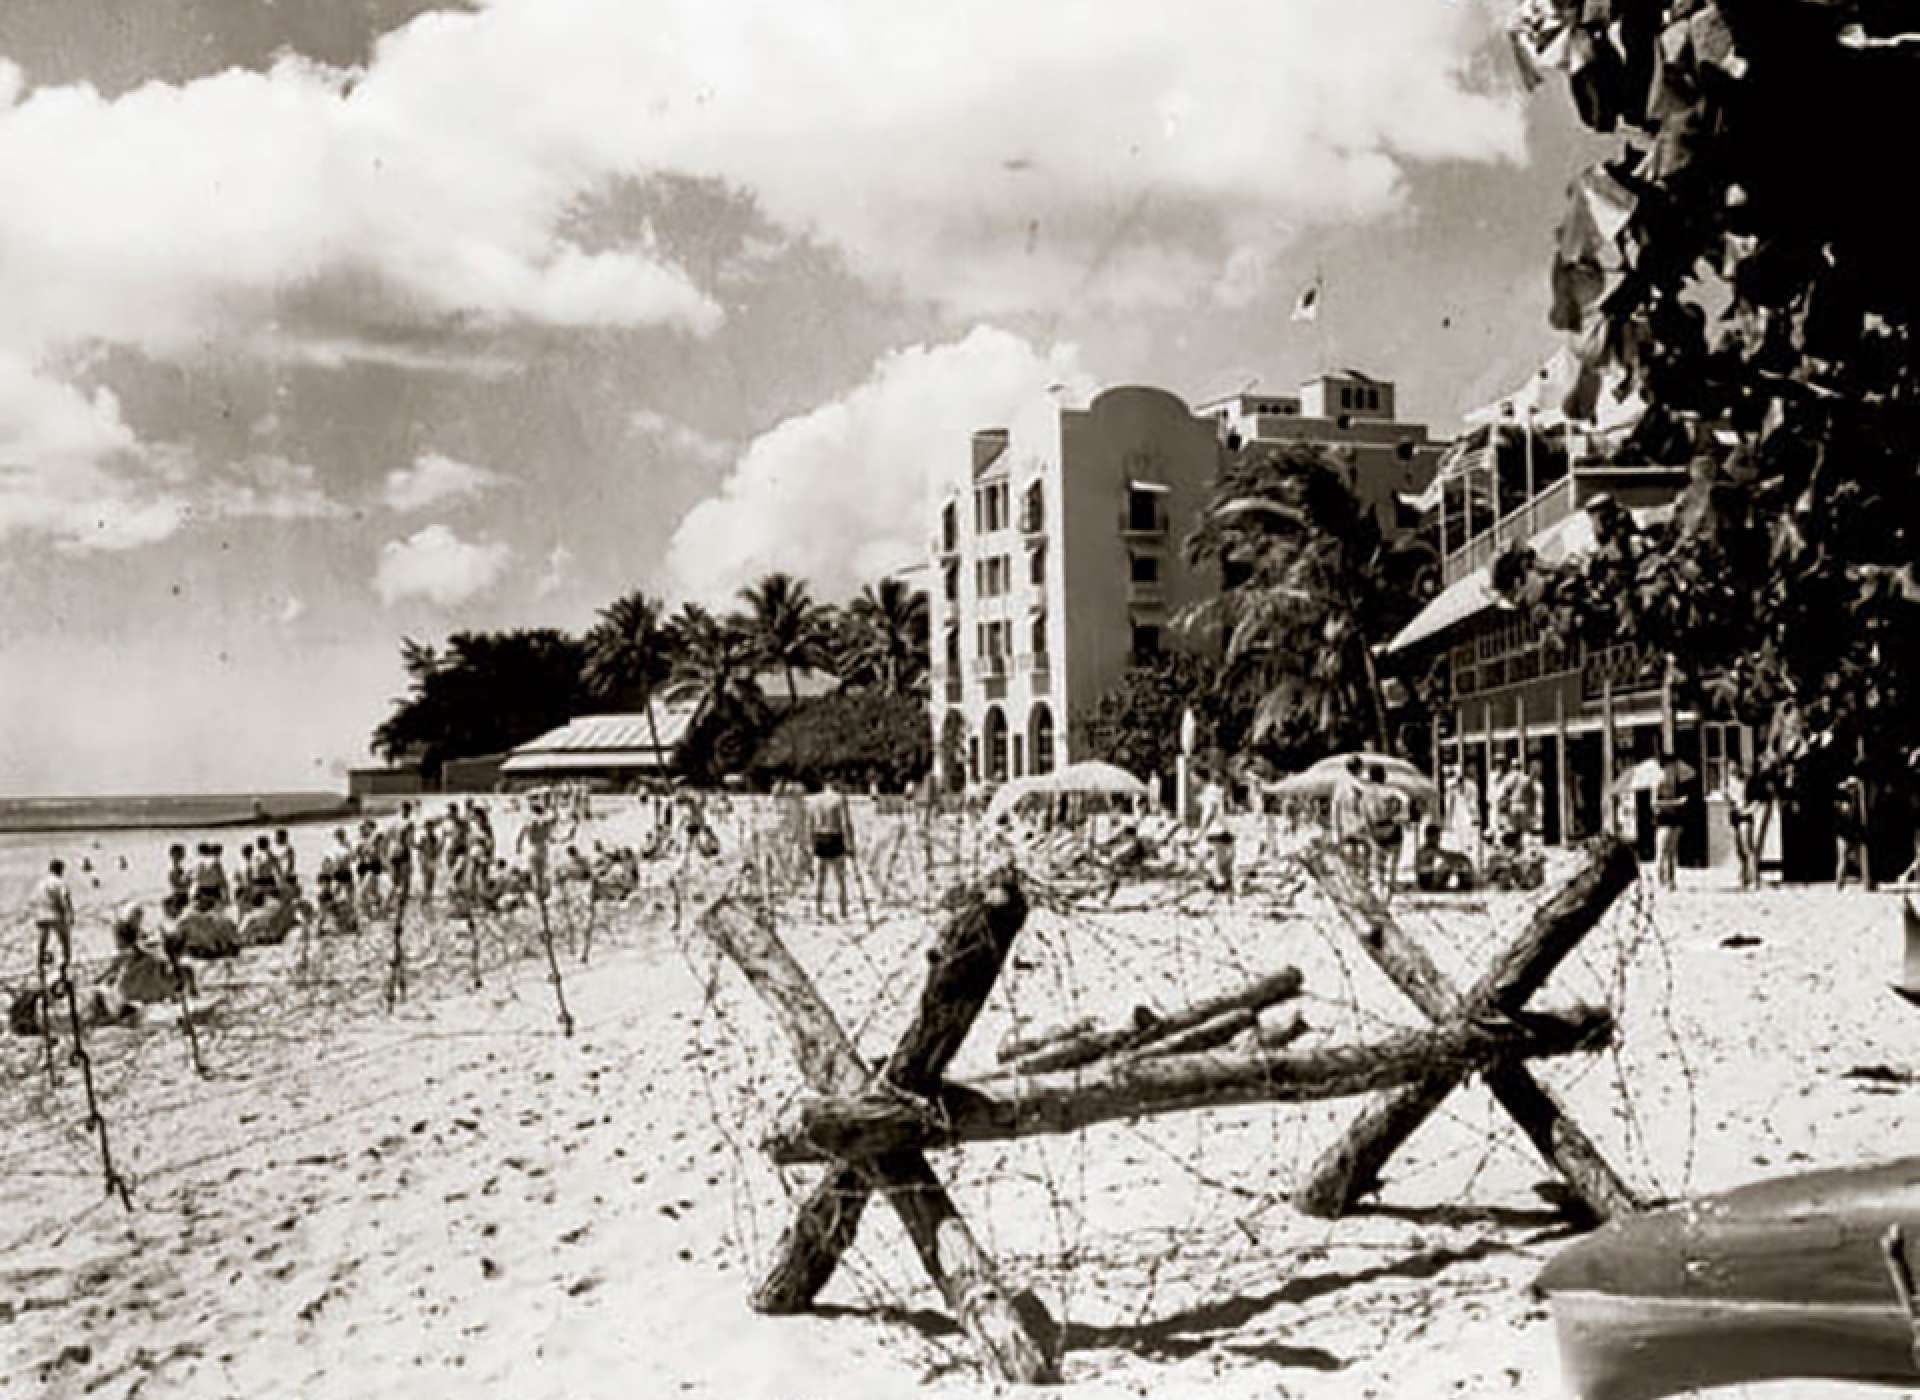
864,1125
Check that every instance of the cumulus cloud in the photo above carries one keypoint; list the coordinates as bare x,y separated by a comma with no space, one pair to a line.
841,495
434,478
291,611
436,565
69,468
677,439
1081,154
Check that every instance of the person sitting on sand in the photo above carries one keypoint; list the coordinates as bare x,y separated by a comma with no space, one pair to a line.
135,976
179,882
1435,868
211,891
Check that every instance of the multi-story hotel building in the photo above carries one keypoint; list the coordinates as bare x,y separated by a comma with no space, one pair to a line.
1057,562
1351,414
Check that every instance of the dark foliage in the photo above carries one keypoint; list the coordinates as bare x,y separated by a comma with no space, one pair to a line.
1312,589
852,737
485,692
1136,724
1739,265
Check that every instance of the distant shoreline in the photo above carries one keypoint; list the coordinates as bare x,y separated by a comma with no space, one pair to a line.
37,815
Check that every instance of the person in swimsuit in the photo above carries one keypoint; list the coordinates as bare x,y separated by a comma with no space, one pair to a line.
179,882
830,834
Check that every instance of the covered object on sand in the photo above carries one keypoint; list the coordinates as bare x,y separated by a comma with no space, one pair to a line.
1091,777
1321,779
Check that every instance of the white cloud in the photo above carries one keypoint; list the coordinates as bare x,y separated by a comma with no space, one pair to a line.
269,487
993,156
434,478
677,439
557,572
291,611
436,565
841,495
68,465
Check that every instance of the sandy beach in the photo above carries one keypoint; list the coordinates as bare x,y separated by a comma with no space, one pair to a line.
456,1199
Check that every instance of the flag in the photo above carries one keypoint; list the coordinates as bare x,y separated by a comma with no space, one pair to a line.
1306,306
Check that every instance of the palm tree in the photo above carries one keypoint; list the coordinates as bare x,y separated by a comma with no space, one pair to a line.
716,659
1311,587
785,624
886,636
630,652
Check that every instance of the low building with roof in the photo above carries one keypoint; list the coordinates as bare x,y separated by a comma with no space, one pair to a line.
614,750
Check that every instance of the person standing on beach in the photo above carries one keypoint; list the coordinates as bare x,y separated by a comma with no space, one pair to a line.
210,889
428,849
53,914
1669,812
283,863
1385,815
537,836
399,854
1850,826
1347,812
830,834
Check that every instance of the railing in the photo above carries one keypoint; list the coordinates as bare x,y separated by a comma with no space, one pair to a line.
1517,526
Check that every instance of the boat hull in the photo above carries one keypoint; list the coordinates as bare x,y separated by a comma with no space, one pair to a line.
1780,1279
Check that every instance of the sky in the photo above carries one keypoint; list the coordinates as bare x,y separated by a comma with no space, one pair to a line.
331,324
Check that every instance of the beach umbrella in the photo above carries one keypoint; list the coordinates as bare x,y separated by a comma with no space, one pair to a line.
1093,776
1644,776
1007,796
1323,777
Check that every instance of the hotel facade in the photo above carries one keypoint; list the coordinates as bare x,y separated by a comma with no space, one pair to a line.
1057,561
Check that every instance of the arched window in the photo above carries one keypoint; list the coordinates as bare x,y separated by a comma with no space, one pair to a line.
1040,739
994,741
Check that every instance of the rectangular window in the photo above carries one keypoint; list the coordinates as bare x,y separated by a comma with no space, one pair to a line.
949,528
1143,512
1146,642
1146,568
1037,567
952,573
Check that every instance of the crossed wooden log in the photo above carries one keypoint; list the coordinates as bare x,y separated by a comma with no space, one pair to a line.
873,1126
1351,1167
1014,1330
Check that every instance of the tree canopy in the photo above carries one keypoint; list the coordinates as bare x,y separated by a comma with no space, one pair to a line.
1311,587
852,737
484,692
1737,263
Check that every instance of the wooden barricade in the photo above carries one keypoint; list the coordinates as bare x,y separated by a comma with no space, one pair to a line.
873,1127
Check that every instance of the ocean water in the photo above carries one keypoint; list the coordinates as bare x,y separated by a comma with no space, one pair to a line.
157,810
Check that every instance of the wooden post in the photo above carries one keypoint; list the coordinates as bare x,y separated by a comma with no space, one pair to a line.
1350,1168
1565,805
1608,823
1014,1332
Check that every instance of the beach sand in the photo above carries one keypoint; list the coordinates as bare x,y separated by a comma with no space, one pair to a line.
455,1199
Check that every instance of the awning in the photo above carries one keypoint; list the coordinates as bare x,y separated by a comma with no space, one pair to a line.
1157,487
